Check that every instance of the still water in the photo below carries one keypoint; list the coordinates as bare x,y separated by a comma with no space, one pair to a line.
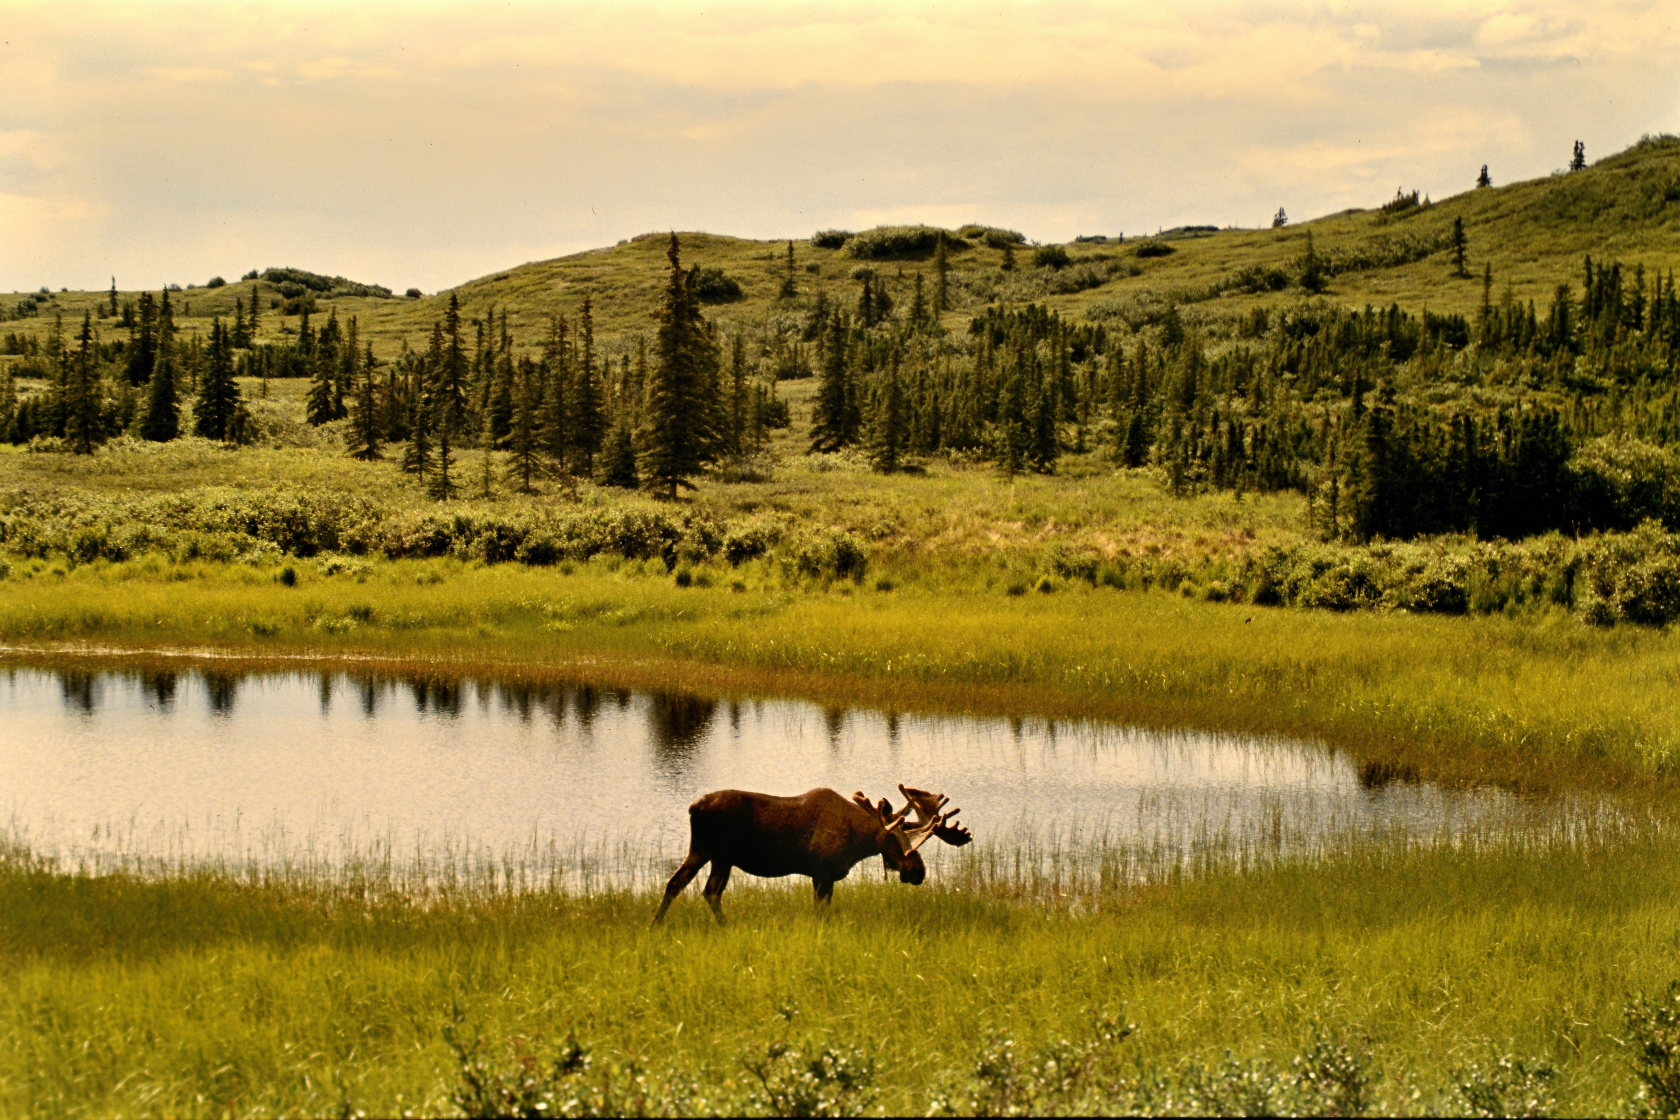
164,769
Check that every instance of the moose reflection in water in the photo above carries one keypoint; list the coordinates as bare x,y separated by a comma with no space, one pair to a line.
819,834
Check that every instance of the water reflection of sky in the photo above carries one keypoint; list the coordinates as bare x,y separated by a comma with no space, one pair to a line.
195,764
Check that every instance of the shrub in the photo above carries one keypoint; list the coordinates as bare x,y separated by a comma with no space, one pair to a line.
712,285
831,238
828,554
991,236
1653,1027
215,282
1153,248
413,293
1051,256
893,241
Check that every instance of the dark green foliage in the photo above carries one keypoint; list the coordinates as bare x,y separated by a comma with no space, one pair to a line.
619,457
293,282
832,412
1051,256
830,238
522,430
1483,180
887,439
1400,203
218,394
585,405
366,416
679,435
82,396
1152,248
1458,248
711,285
1578,159
894,241
789,289
413,293
143,339
1280,219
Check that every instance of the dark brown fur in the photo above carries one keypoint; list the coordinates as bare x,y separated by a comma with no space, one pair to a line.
819,834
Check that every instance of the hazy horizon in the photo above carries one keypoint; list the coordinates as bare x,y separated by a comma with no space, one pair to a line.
428,144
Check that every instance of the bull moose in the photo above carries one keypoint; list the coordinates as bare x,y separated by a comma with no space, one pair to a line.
819,834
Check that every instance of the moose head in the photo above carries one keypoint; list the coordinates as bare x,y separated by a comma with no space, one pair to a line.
904,836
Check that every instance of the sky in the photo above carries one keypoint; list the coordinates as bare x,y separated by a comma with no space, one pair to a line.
424,144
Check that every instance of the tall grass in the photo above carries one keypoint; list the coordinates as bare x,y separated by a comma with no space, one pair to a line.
204,992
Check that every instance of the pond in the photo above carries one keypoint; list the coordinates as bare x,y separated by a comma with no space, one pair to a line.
437,776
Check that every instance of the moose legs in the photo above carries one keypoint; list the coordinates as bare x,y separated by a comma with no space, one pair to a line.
715,883
824,889
684,875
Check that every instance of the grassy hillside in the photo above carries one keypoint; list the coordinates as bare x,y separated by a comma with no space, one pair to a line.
1533,234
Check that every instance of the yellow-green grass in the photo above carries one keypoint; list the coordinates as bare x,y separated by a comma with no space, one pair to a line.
1533,234
203,995
1537,702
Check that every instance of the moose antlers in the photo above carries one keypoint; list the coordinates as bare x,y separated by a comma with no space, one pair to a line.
930,822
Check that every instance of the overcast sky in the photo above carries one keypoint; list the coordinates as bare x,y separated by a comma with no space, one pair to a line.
426,144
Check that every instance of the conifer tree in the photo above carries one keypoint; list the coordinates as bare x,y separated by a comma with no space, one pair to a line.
554,424
1458,247
587,409
501,402
348,367
941,283
142,340
522,429
323,402
487,448
1313,276
162,421
452,371
1046,444
1483,180
619,457
1578,161
1015,418
678,437
1008,264
251,323
829,412
418,454
918,305
82,398
789,288
241,336
218,393
1280,219
887,439
366,425
739,401
447,361
113,295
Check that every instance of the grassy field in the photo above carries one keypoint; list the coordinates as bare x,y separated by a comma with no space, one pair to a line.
204,995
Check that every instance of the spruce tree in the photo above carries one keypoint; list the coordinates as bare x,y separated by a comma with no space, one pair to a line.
251,323
789,288
348,367
587,408
143,341
887,438
113,295
522,429
452,372
1578,161
678,437
739,400
1280,219
218,393
1458,247
162,422
366,427
553,427
941,283
82,400
918,305
1483,180
619,457
1008,264
829,412
324,399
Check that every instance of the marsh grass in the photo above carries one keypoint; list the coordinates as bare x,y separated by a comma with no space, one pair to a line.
202,989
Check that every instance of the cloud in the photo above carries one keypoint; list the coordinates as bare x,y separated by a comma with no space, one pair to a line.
425,143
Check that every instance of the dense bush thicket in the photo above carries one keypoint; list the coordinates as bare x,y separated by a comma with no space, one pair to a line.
260,525
898,241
